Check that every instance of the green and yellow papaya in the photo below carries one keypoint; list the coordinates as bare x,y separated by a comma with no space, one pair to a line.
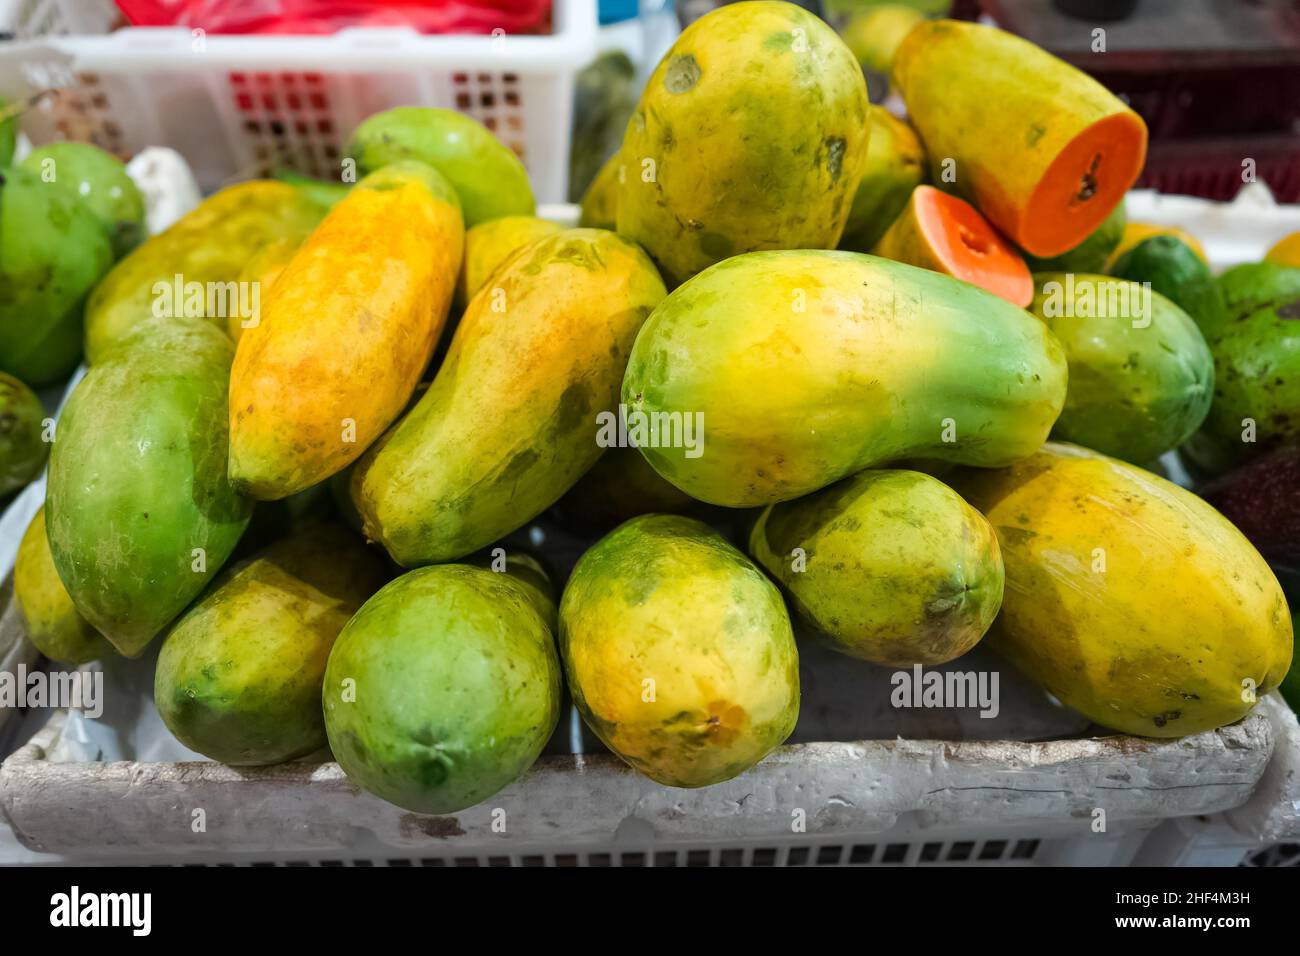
491,243
511,419
599,207
140,513
444,687
1127,597
888,566
53,623
895,167
239,676
99,180
751,134
1174,270
678,652
801,368
23,448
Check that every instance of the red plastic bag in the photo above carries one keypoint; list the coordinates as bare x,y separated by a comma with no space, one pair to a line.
327,16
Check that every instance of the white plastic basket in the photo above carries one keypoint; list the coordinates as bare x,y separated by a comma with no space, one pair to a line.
238,107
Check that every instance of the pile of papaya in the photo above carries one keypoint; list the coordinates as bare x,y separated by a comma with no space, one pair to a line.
806,371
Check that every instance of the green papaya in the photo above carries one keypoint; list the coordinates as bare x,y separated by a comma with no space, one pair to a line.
895,167
511,419
239,676
489,179
53,624
444,687
1253,285
23,448
1141,375
750,134
599,206
888,566
1176,272
140,513
604,96
678,652
205,251
99,179
55,250
802,367
621,485
1093,253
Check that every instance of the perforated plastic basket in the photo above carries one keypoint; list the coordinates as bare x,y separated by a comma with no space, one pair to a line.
238,106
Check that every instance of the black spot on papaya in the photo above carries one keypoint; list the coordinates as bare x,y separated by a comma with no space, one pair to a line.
716,246
1289,311
1161,719
1034,133
682,74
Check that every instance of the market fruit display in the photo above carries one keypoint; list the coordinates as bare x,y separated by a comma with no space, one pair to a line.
348,328
23,444
52,621
785,353
888,566
444,687
100,181
1127,597
679,652
751,134
1041,148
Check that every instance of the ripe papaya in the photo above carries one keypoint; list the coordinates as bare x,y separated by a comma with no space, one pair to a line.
489,179
895,167
946,234
491,243
262,269
23,448
1044,150
888,566
207,249
53,624
599,207
99,180
678,652
239,676
750,134
510,421
140,514
1093,254
55,250
1127,597
444,687
346,332
1141,375
803,367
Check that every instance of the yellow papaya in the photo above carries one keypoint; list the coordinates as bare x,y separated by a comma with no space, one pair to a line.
263,269
491,243
346,332
895,166
510,421
600,201
1127,597
1044,150
54,625
751,134
1285,252
203,253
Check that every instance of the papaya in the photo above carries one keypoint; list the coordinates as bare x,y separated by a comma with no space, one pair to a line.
679,653
55,250
260,272
1041,148
444,687
750,134
139,512
1094,253
511,419
887,566
488,178
1135,232
240,675
1252,285
23,448
1175,271
946,234
346,332
895,167
491,243
599,204
1129,598
53,624
8,132
803,367
1261,498
621,485
207,249
1285,252
605,92
99,179
324,192
875,34
1141,375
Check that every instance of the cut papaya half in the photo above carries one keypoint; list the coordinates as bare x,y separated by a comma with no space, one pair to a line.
946,234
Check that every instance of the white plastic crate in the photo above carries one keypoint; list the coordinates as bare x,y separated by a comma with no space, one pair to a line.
238,107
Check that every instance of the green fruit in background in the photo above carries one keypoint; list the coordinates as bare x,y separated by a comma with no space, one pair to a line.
322,191
751,134
891,566
239,677
1093,253
679,652
804,367
99,179
1141,375
875,33
140,512
896,165
444,687
55,250
1178,274
604,96
1253,285
23,448
8,134
488,177
53,623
